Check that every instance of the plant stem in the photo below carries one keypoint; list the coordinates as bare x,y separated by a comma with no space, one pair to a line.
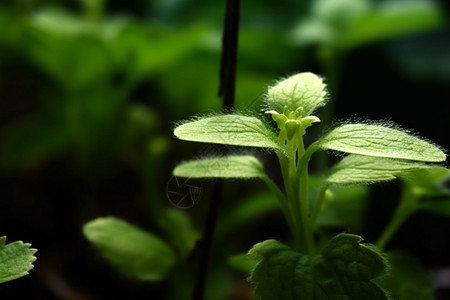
227,93
284,205
318,205
303,199
292,212
406,207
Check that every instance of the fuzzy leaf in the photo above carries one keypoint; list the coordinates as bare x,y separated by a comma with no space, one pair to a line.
344,270
305,90
130,249
233,130
368,169
380,141
235,166
16,259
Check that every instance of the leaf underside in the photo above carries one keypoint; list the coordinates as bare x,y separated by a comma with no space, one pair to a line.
367,169
380,141
16,259
233,130
236,166
131,250
345,269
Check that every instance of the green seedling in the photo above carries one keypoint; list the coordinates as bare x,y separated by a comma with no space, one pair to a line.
342,267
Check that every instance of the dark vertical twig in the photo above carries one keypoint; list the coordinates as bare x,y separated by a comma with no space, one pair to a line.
229,54
227,93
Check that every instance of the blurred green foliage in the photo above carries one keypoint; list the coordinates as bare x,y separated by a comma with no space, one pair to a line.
89,91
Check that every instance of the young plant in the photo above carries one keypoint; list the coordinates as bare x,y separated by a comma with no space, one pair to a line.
342,268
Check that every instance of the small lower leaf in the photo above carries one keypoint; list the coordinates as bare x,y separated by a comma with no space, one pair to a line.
344,270
16,259
234,166
131,250
368,169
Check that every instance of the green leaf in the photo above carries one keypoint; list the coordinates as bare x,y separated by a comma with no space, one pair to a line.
330,20
233,130
347,24
380,141
143,49
392,19
368,169
16,259
179,230
345,269
305,90
243,262
130,249
235,166
407,280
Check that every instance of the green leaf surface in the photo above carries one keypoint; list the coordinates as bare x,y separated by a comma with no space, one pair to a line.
407,280
243,262
368,169
131,250
345,269
305,90
233,130
235,166
380,141
16,259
